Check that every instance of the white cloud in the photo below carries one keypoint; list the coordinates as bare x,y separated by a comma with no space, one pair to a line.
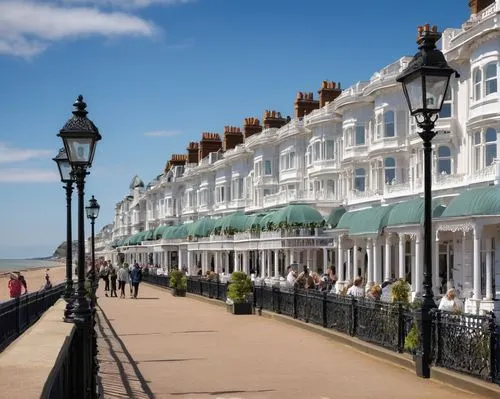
19,175
10,154
127,3
29,27
163,133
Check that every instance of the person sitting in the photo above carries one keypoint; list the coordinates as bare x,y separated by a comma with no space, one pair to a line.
450,302
356,290
374,293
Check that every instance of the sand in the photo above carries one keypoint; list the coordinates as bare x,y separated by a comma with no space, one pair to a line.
35,278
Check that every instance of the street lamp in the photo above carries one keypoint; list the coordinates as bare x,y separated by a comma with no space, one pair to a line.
92,211
64,167
79,136
425,82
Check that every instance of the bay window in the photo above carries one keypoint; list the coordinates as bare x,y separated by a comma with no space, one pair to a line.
389,170
444,160
359,179
490,78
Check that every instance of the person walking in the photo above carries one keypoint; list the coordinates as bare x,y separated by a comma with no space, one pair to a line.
104,274
15,286
23,282
135,278
113,276
122,279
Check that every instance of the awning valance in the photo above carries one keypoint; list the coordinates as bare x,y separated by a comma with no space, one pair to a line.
365,221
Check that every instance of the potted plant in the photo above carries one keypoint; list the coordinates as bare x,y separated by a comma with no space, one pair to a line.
240,288
178,283
400,290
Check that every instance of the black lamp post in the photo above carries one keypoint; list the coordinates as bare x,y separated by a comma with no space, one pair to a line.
66,177
79,136
92,213
425,82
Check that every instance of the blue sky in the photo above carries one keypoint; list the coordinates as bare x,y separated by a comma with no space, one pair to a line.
157,73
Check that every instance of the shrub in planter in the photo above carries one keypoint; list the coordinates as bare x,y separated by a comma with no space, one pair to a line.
400,291
240,288
178,283
412,340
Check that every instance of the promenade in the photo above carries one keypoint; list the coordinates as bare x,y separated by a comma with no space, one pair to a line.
159,346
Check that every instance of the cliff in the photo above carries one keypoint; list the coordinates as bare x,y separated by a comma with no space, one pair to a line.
60,251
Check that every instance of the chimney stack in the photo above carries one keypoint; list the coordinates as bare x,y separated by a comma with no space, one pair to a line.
305,104
192,155
210,142
232,137
252,126
274,119
329,91
477,6
175,160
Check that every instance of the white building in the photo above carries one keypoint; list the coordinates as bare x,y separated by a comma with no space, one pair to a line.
354,150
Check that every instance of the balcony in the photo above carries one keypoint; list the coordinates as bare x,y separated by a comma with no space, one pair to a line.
360,151
281,198
482,175
386,76
385,144
265,181
355,197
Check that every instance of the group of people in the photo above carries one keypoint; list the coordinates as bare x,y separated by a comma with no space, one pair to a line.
124,274
18,286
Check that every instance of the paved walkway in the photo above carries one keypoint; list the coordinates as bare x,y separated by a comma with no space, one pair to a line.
159,346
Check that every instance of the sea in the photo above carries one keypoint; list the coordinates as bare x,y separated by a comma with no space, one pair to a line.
7,265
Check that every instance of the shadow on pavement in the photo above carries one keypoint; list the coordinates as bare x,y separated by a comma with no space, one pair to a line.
216,393
119,376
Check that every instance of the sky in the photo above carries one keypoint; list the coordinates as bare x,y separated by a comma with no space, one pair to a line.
157,73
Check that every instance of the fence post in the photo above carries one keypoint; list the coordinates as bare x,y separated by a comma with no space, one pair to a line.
294,303
324,310
18,313
494,351
401,330
354,317
437,349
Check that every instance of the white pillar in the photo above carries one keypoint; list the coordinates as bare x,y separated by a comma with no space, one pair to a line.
287,258
387,258
369,254
340,261
349,276
276,263
477,262
489,293
325,259
237,266
292,256
262,264
314,260
226,272
268,263
355,261
418,265
179,260
401,249
377,275
246,263
216,262
435,273
308,258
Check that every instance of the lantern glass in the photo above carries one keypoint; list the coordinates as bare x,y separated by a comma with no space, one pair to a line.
65,170
435,88
79,149
92,209
412,87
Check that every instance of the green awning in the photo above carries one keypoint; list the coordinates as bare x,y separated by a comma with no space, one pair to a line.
297,215
267,223
182,231
365,221
158,232
149,235
412,212
479,201
201,228
334,216
168,232
231,223
253,221
137,238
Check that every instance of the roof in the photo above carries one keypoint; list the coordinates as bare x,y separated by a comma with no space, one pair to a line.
136,182
365,221
412,212
479,201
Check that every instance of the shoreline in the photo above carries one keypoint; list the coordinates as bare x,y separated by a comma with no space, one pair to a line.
57,262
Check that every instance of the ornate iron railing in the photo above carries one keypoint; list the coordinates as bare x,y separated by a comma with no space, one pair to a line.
18,314
465,343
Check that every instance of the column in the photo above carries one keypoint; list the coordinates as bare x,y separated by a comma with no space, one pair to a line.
377,275
179,260
226,271
355,261
287,258
387,258
349,266
276,263
419,270
435,259
246,263
489,271
292,256
268,263
262,272
216,262
401,253
325,259
340,260
477,262
308,258
369,254
314,259
237,261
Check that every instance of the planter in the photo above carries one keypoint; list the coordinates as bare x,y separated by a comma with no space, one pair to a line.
240,308
178,291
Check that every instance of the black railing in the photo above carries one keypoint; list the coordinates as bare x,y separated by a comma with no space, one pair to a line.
465,343
18,314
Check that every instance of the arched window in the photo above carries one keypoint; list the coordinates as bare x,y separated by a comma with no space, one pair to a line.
389,124
490,152
477,83
490,78
359,179
444,160
390,170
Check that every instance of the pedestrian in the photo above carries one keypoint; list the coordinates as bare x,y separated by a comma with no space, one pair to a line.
104,274
122,279
135,278
23,282
113,276
15,286
47,285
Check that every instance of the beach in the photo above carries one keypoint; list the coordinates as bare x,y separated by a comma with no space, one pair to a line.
35,277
